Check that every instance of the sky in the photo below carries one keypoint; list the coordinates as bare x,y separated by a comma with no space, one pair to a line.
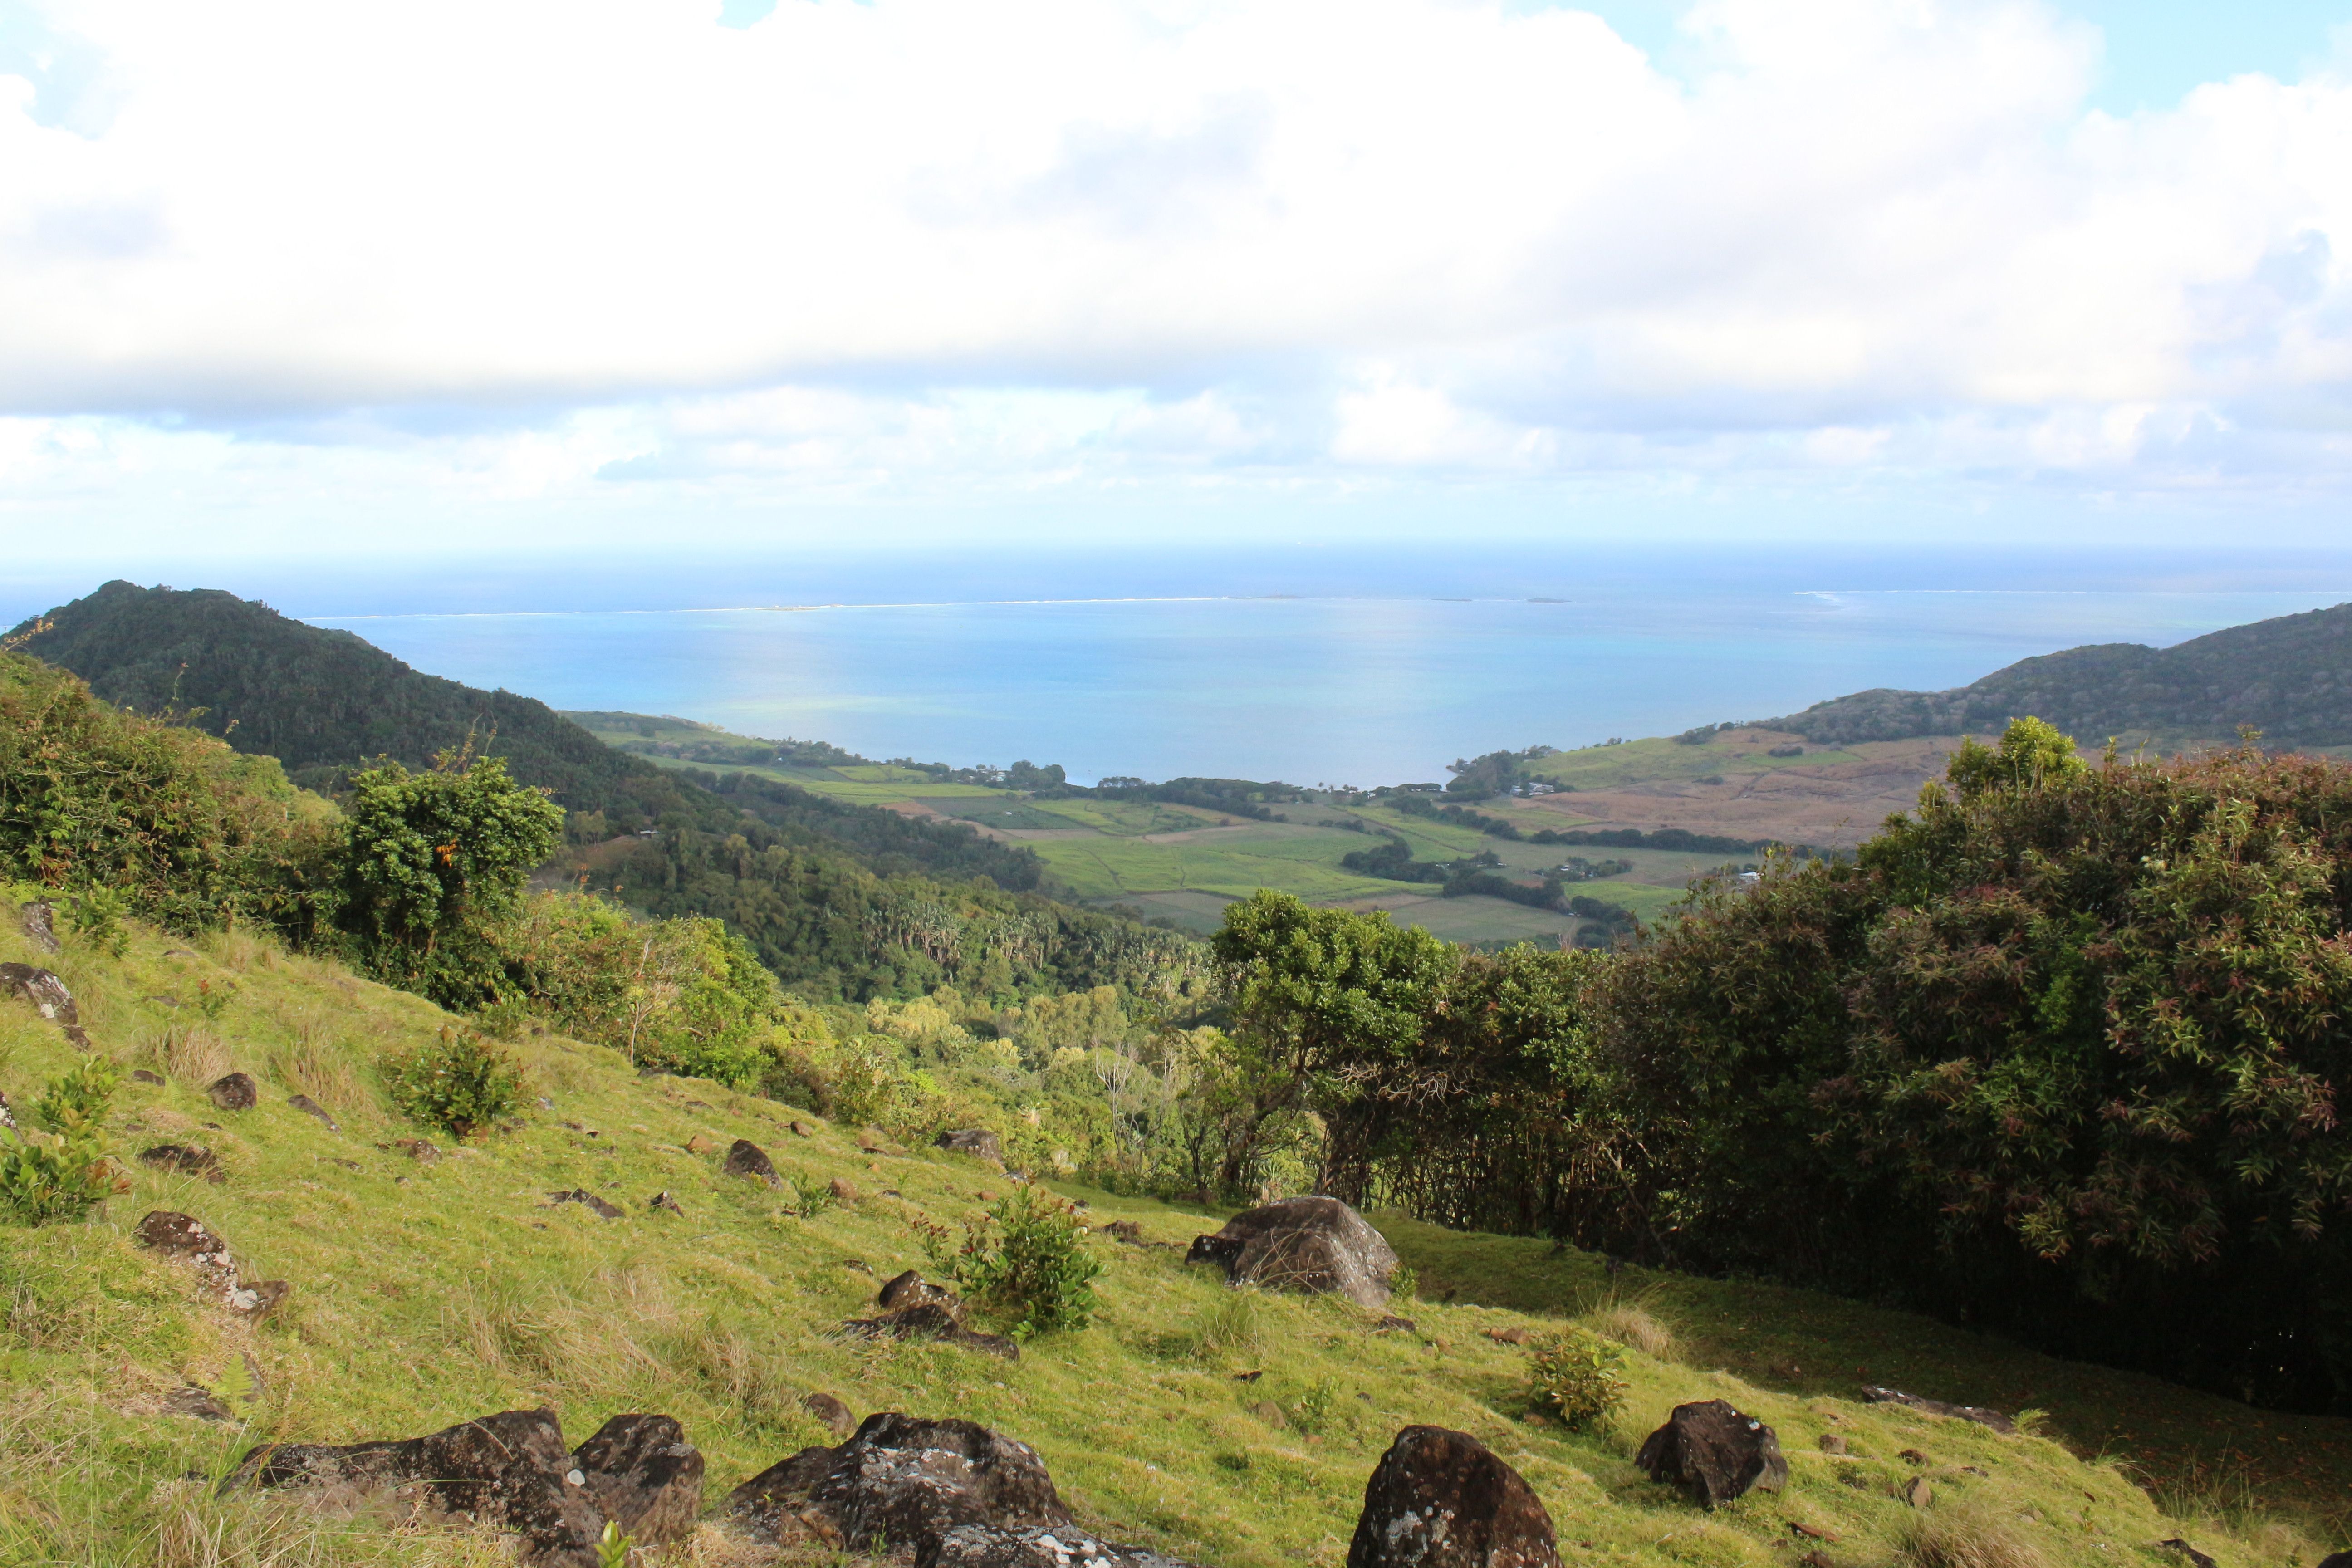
282,279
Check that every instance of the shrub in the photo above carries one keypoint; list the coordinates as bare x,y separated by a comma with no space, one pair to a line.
1026,1262
96,914
1574,1375
59,1173
812,1195
460,1083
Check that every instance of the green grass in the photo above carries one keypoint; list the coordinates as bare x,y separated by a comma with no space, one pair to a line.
1233,861
427,1293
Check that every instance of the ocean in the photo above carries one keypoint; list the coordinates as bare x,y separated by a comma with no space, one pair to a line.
1373,683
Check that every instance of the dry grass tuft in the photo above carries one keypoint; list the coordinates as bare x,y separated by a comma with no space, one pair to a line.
1969,1537
193,1055
1632,1326
307,1066
1233,1327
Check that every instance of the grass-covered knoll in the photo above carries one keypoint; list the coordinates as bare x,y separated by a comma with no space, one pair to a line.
425,1292
1741,749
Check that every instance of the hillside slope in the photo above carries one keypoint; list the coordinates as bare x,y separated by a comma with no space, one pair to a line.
2291,678
324,701
425,1292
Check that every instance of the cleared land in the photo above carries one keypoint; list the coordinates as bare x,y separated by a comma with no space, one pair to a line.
424,1293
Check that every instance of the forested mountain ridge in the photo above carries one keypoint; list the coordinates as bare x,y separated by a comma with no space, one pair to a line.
2290,677
835,897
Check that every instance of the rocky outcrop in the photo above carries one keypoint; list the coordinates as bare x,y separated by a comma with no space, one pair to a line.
748,1159
1317,1245
234,1091
977,1140
48,995
509,1470
179,1235
948,1494
1441,1499
586,1200
1874,1395
643,1475
914,1308
38,922
1714,1453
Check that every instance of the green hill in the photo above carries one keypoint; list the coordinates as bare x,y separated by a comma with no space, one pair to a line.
2290,677
825,890
426,1291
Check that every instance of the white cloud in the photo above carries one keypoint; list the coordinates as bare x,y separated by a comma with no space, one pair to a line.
542,251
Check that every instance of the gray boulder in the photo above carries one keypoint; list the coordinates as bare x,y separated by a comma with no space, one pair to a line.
1441,1499
977,1140
903,1479
234,1091
1317,1245
1035,1546
48,995
39,919
644,1475
509,1470
746,1158
1714,1453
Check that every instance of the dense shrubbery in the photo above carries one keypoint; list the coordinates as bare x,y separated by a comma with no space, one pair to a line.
1026,1262
459,1083
1575,1376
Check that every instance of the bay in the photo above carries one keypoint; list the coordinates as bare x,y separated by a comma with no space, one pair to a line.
1355,688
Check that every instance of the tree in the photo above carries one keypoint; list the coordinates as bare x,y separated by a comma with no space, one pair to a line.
1324,1000
431,863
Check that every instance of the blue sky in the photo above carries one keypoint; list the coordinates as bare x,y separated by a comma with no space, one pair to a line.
288,280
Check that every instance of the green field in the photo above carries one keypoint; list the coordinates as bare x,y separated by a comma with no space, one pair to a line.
1184,863
426,1292
1638,762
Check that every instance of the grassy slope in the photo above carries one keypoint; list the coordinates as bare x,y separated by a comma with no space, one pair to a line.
427,1293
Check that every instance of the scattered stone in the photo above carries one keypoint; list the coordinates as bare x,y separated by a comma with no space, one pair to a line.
308,1106
977,1140
831,1413
748,1159
1817,1558
1441,1499
1833,1443
857,1263
545,1104
1912,1457
1808,1532
662,1200
1872,1394
1714,1453
2336,1560
48,995
421,1150
800,1129
200,1402
234,1091
1317,1245
981,1546
911,1289
180,1235
1267,1411
509,1469
1919,1492
1250,1376
39,919
643,1475
902,1482
702,1143
346,1164
1514,1336
985,1195
588,1200
1391,1323
188,1159
141,1075
914,1308
2199,1560
1125,1230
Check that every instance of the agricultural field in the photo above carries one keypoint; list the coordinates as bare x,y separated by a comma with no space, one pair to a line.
1185,863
